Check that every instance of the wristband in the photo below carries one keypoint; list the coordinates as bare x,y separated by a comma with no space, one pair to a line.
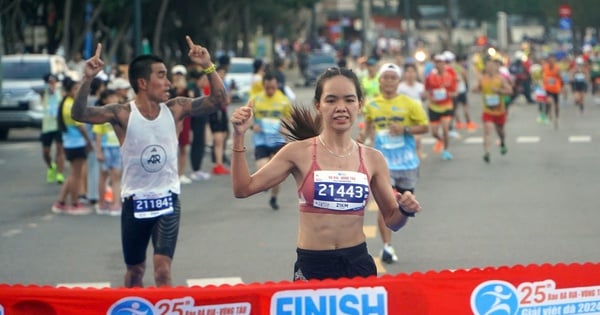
238,150
210,69
405,213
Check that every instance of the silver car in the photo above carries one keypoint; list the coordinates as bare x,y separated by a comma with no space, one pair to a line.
22,82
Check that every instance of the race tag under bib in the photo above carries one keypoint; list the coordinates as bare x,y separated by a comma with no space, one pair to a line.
340,190
492,100
149,206
440,94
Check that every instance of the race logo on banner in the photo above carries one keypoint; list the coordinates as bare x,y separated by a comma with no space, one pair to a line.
497,297
364,300
137,305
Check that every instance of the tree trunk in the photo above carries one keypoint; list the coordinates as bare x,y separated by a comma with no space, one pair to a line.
66,28
158,27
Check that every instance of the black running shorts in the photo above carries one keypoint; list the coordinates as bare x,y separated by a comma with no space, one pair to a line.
135,233
334,264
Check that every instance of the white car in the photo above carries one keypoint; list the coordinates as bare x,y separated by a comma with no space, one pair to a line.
239,78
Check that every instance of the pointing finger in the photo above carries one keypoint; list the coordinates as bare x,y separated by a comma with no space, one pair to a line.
189,41
98,51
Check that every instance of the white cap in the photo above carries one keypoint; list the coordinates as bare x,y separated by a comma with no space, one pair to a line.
179,69
119,84
449,56
102,75
391,68
579,60
439,57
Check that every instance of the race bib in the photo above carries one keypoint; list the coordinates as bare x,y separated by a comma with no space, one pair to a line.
440,94
340,190
462,87
387,141
148,206
492,100
270,127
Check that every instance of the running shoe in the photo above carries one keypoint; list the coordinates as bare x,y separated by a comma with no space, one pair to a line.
60,178
184,180
471,126
79,209
115,210
503,150
486,157
446,155
220,170
51,174
59,207
388,254
102,208
438,147
199,175
458,125
273,203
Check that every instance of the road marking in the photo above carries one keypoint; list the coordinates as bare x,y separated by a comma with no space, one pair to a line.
528,139
370,231
95,285
474,140
11,232
19,146
214,281
580,139
428,140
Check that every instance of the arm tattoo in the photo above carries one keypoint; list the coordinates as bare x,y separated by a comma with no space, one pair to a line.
80,104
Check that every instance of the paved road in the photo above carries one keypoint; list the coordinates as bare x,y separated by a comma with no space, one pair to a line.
537,204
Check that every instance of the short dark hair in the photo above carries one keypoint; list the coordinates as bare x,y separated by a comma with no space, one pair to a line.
104,95
268,76
141,68
257,64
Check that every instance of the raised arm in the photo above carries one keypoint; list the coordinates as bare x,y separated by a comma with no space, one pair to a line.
92,114
203,105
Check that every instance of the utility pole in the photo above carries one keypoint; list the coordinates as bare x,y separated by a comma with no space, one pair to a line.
137,27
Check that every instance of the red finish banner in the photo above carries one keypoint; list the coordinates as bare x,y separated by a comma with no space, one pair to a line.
523,290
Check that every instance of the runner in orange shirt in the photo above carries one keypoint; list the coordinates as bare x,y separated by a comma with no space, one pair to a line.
552,83
440,87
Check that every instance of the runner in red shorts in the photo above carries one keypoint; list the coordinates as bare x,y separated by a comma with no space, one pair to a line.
493,88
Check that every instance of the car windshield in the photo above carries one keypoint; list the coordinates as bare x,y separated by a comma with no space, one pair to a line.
21,70
240,68
319,59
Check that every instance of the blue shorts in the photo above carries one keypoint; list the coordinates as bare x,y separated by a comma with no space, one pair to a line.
112,158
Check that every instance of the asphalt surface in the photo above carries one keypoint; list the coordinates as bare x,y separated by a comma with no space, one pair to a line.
537,204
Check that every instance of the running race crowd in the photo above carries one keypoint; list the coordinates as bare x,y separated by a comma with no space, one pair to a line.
394,108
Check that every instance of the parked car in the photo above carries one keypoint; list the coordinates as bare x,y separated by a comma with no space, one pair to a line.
22,83
317,63
239,78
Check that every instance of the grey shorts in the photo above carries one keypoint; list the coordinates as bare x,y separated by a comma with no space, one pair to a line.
405,179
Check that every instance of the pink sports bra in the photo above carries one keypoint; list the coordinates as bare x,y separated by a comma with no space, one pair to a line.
334,191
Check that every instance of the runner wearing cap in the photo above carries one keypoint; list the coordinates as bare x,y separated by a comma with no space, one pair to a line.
392,120
440,86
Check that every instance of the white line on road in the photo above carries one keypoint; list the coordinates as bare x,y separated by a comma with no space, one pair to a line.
580,139
474,140
214,281
428,140
11,232
95,285
526,139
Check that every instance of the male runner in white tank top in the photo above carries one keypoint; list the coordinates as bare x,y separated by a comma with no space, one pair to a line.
147,128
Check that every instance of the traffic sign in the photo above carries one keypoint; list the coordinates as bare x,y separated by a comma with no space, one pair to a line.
564,10
565,23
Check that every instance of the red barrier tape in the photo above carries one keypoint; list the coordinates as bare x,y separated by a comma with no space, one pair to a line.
524,290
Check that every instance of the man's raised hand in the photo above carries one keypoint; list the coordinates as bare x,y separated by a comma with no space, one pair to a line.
198,54
94,65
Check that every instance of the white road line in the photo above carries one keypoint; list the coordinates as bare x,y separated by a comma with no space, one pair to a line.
474,140
527,139
428,140
11,232
214,281
580,139
95,285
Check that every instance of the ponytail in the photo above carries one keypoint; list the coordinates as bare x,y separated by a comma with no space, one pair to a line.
302,124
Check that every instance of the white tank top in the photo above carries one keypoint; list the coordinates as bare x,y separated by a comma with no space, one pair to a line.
149,154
